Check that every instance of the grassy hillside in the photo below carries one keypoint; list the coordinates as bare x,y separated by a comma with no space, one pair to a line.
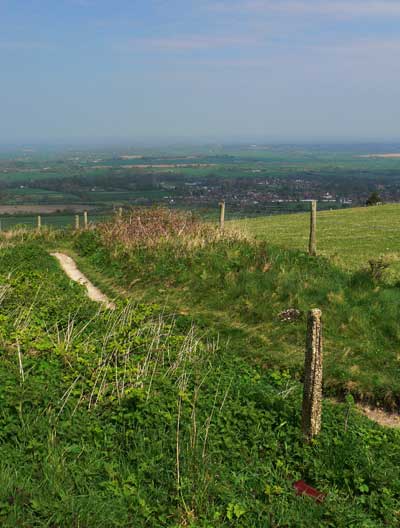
127,419
138,417
348,237
238,288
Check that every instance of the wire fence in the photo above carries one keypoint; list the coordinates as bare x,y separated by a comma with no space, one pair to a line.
351,236
234,211
64,221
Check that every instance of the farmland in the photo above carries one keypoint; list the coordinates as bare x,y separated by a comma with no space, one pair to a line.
252,180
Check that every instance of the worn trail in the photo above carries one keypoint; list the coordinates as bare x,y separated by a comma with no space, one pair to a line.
70,268
380,416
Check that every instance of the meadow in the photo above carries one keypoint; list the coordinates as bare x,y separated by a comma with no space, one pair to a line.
348,238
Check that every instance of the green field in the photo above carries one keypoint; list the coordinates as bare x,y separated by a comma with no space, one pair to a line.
348,237
59,221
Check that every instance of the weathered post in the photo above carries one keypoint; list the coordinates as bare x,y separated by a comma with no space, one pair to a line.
312,391
85,219
312,246
222,215
39,222
120,212
76,221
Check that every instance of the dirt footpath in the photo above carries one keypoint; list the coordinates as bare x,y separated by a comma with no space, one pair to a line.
71,269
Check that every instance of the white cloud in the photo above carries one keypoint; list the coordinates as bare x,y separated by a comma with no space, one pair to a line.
350,8
186,43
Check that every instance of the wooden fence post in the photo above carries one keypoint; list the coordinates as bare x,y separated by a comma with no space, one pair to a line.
85,219
312,246
120,212
76,221
222,215
312,391
39,222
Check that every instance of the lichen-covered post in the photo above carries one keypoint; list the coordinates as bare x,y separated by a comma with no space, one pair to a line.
85,219
76,221
222,215
312,392
312,246
39,223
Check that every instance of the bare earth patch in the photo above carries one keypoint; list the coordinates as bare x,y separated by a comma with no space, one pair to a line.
72,271
381,417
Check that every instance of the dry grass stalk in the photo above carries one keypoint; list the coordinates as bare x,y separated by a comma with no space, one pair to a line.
151,226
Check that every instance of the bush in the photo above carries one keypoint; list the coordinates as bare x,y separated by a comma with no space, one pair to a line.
374,199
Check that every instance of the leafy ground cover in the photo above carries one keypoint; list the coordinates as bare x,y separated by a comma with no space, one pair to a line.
128,418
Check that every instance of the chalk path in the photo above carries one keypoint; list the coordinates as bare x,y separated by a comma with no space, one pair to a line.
381,417
72,271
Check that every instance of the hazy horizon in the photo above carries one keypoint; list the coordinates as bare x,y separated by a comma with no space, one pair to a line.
292,71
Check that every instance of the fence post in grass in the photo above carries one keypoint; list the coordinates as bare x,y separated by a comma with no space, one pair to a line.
76,221
222,215
120,212
312,391
85,219
312,246
39,222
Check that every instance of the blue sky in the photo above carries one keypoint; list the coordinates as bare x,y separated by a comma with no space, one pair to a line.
204,70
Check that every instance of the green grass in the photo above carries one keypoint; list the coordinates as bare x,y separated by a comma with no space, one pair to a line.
35,174
120,419
237,289
348,237
50,220
39,196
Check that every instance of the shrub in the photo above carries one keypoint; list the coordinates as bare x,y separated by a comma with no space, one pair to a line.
149,227
374,199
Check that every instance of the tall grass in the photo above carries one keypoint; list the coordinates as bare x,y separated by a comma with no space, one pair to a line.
151,227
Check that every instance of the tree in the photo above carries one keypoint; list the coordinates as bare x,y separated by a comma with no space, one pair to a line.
374,199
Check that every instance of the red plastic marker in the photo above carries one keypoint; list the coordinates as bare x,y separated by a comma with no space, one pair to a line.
304,489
